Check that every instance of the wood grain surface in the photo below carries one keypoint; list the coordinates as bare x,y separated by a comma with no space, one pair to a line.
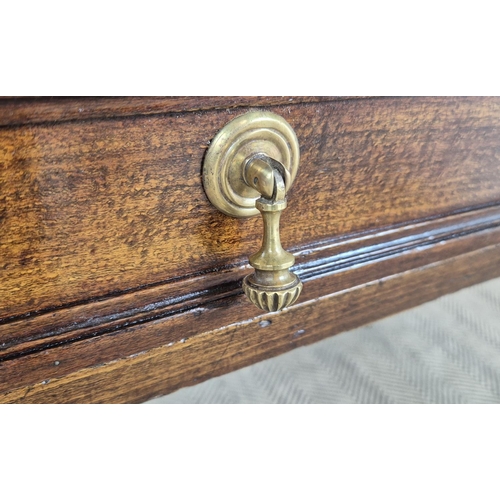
24,110
351,260
207,353
429,259
95,208
119,281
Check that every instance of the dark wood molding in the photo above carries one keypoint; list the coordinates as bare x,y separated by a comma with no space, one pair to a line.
149,373
56,344
26,110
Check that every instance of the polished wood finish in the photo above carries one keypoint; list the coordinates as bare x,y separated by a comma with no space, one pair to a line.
95,208
20,111
199,356
114,267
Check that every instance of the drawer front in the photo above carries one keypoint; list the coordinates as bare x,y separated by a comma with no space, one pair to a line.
107,234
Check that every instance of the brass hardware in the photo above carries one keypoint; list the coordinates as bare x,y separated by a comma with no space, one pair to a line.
248,169
249,134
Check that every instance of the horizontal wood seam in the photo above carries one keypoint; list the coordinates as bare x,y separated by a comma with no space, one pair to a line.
110,115
296,250
380,251
314,265
141,376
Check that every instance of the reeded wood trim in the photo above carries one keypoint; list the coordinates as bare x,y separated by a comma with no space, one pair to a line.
41,330
347,283
161,370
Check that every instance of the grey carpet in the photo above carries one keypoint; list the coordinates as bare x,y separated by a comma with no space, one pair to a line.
446,351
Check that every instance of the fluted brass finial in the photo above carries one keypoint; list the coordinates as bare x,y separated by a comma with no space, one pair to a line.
248,169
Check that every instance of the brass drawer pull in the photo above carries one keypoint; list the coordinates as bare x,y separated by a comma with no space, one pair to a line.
249,167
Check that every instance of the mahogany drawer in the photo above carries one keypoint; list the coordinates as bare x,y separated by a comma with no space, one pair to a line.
119,281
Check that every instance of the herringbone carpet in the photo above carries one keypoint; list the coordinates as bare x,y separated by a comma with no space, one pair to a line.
446,351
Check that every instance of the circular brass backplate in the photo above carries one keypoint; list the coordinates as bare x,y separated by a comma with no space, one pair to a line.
223,168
